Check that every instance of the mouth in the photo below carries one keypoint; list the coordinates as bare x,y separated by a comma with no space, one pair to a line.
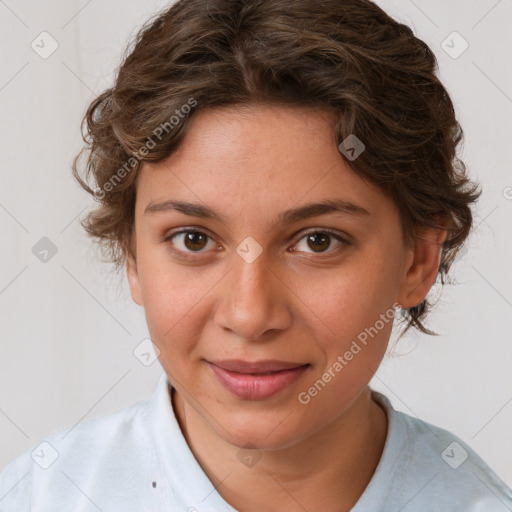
256,380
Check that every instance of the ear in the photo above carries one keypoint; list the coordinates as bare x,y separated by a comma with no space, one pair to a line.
133,278
422,267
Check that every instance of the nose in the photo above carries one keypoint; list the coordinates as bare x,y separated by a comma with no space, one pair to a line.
254,301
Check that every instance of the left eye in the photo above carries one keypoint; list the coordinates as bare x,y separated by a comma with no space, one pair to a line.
319,241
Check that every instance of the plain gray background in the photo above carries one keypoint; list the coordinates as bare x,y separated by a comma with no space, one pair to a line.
68,327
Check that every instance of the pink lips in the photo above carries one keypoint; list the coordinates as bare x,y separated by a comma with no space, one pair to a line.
256,380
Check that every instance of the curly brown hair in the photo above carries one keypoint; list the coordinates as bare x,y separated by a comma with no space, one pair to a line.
347,56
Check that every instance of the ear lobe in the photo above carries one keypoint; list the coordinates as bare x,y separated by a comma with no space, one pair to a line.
423,269
133,278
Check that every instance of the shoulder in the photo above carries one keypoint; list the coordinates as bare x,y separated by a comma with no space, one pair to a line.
105,444
435,468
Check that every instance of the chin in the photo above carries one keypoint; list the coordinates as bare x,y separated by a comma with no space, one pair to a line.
264,433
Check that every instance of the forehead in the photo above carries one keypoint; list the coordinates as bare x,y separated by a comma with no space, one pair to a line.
257,159
257,137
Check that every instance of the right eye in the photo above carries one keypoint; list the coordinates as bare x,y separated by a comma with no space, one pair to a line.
190,241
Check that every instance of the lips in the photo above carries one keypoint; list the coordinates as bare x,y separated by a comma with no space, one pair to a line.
256,380
239,366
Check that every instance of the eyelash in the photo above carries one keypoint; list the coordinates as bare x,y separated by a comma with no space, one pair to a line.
189,254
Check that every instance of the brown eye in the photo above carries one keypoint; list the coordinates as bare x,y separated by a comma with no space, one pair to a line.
319,241
195,241
190,241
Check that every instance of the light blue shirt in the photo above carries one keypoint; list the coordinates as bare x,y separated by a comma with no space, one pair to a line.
137,460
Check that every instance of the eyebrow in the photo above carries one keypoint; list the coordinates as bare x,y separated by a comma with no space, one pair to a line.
287,217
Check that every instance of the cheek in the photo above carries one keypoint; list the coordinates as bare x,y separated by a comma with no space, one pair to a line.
175,299
351,299
359,325
356,308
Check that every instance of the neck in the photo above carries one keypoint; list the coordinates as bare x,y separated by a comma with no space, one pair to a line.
327,471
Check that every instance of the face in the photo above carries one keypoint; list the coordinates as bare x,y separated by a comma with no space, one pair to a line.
251,294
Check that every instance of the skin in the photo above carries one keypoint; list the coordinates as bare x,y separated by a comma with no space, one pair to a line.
292,303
